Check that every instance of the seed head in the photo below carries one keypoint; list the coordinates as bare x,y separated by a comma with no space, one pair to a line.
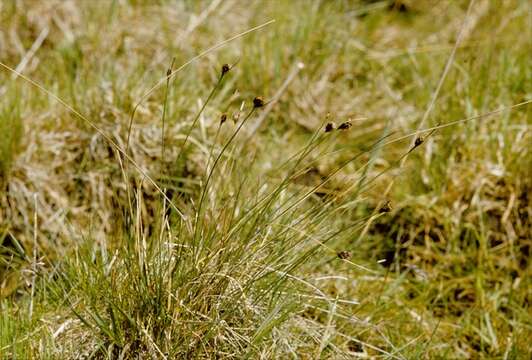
329,127
398,6
225,69
345,126
386,208
419,141
258,102
169,70
223,118
344,255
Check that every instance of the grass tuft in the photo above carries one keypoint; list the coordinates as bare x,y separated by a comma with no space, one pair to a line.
153,206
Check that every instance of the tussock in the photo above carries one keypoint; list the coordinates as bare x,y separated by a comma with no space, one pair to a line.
268,241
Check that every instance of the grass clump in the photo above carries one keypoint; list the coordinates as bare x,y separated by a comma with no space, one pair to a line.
330,192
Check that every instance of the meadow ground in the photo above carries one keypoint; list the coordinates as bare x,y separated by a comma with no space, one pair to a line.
354,184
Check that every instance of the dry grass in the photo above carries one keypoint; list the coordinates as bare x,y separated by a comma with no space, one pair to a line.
281,250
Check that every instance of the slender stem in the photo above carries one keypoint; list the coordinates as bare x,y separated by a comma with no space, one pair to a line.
203,54
212,148
196,118
206,186
168,74
164,116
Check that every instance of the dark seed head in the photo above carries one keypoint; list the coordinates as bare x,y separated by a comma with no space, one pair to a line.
418,141
225,69
386,208
258,102
398,6
344,255
223,118
329,127
169,70
344,126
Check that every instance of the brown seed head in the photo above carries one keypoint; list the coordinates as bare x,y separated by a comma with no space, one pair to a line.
168,72
223,118
345,126
398,6
419,141
329,127
386,208
225,69
258,102
344,255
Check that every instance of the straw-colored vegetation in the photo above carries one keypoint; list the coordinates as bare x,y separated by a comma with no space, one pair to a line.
354,183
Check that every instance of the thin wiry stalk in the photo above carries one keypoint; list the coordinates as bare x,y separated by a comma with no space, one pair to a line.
197,57
196,118
265,201
206,185
165,104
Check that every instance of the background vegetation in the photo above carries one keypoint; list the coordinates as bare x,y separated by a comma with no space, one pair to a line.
265,236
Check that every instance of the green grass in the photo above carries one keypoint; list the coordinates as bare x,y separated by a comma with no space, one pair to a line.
239,253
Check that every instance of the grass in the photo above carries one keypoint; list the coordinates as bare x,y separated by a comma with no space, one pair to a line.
265,236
